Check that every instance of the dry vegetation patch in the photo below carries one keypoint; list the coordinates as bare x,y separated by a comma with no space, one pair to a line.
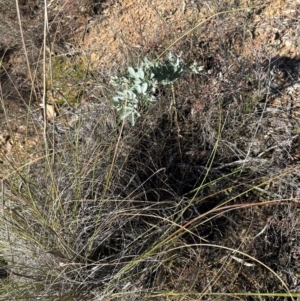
198,200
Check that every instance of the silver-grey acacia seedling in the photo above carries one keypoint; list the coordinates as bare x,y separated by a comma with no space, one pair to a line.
137,86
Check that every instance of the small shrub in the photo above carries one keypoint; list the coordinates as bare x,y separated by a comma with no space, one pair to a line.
138,86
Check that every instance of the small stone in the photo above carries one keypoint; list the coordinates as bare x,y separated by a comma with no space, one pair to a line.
288,43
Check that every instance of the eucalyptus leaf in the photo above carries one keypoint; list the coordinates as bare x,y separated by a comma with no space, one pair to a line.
138,89
132,71
141,73
144,88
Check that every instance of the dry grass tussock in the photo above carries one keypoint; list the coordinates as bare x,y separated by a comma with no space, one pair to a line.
197,201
